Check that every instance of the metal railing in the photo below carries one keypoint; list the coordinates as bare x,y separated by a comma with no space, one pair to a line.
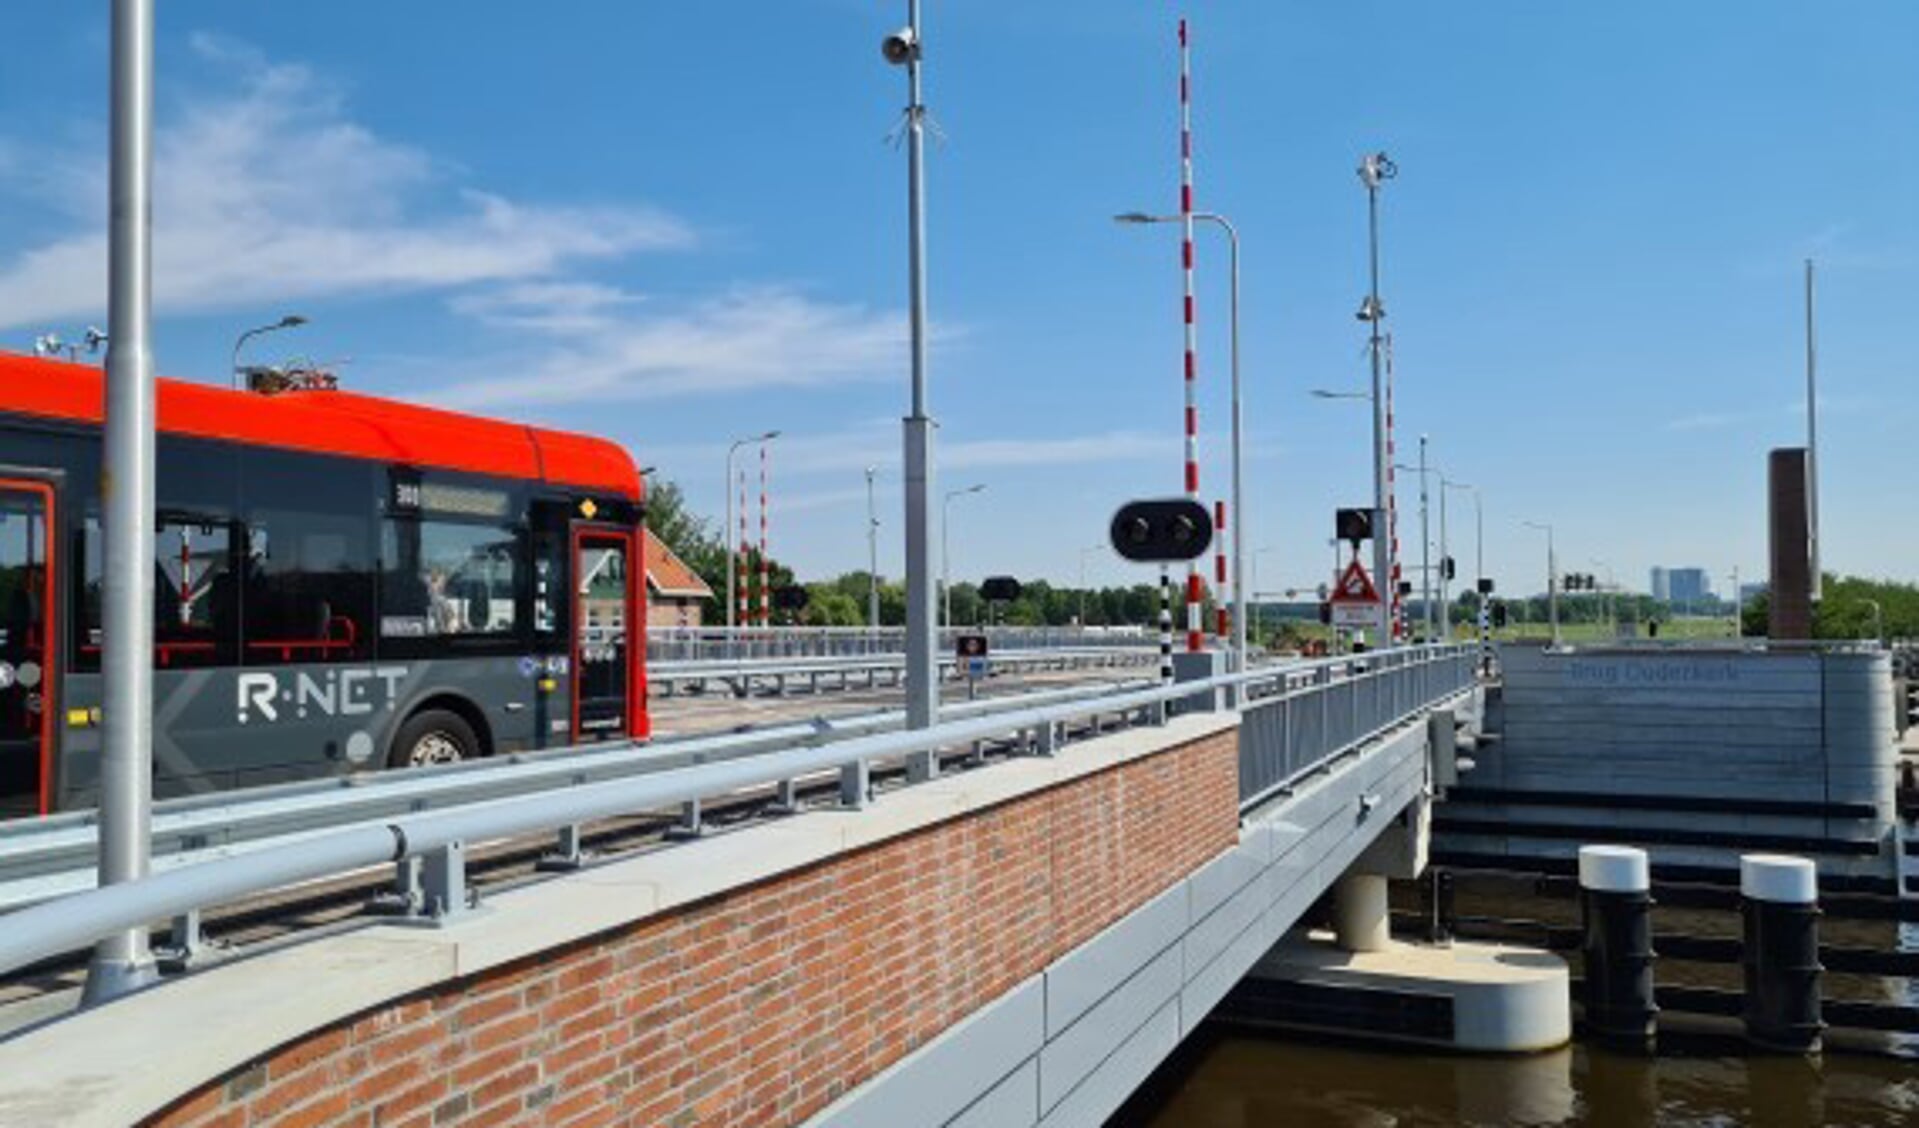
49,857
694,644
742,676
432,844
1316,712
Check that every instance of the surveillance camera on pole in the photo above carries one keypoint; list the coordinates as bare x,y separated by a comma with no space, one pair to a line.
901,47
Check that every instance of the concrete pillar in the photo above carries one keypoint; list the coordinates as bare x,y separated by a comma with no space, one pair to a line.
1360,920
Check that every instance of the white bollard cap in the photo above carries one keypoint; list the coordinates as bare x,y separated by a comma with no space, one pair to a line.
1779,878
1614,869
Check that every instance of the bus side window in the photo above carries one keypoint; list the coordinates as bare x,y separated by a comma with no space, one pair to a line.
307,588
195,606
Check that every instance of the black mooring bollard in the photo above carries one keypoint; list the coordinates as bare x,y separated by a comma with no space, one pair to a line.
1615,911
1781,909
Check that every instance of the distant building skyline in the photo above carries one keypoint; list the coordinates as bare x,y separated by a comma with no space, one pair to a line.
1681,585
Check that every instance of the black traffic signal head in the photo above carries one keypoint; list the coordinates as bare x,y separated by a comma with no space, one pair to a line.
999,589
1499,613
1353,525
1162,532
1405,588
1446,568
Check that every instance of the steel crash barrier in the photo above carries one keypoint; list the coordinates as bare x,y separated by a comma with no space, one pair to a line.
695,644
783,675
429,846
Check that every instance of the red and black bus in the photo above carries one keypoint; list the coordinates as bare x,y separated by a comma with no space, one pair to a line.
340,583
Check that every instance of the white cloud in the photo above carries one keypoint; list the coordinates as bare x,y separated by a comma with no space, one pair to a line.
851,451
271,192
749,337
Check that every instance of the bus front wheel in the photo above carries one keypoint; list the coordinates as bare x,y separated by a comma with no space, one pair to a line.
433,736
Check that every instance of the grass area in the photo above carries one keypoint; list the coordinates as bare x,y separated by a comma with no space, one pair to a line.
1677,629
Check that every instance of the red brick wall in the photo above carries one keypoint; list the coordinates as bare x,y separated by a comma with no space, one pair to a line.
764,1004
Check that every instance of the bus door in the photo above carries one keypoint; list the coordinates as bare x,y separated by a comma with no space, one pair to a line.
605,567
27,633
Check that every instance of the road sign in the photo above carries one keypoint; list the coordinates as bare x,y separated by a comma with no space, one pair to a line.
970,651
1355,602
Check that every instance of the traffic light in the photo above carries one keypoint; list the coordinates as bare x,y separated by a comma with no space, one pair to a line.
1161,532
1326,613
1499,613
1446,567
1353,525
999,589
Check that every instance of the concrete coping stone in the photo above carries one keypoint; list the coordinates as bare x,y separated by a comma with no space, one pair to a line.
1614,869
1778,878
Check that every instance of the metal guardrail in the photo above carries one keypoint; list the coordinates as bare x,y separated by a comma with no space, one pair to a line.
433,843
691,644
779,674
1314,713
49,857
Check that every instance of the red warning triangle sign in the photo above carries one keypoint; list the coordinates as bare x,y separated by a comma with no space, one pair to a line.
1355,586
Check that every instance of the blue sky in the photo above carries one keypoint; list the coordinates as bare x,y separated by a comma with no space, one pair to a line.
674,224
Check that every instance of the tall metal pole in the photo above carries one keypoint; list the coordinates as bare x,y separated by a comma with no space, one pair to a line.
1425,547
122,962
1372,171
1239,493
1445,554
1552,575
922,668
1812,440
872,556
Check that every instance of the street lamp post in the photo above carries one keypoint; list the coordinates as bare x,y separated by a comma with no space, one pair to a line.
903,49
122,961
1238,520
946,562
1446,549
1374,170
872,555
290,321
732,547
1552,576
1425,547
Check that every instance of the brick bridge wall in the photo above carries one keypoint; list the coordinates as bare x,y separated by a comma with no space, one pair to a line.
761,1005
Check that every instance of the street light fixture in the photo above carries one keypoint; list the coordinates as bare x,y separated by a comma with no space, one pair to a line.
946,563
733,548
1238,524
290,321
1552,576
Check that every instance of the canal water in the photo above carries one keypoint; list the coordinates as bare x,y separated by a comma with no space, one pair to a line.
1226,1077
1231,1080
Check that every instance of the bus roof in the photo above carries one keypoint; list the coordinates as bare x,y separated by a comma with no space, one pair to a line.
332,422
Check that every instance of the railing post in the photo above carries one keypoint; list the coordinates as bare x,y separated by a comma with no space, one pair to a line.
443,883
856,784
568,853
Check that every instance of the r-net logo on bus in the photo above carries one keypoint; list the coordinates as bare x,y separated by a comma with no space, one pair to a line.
350,692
